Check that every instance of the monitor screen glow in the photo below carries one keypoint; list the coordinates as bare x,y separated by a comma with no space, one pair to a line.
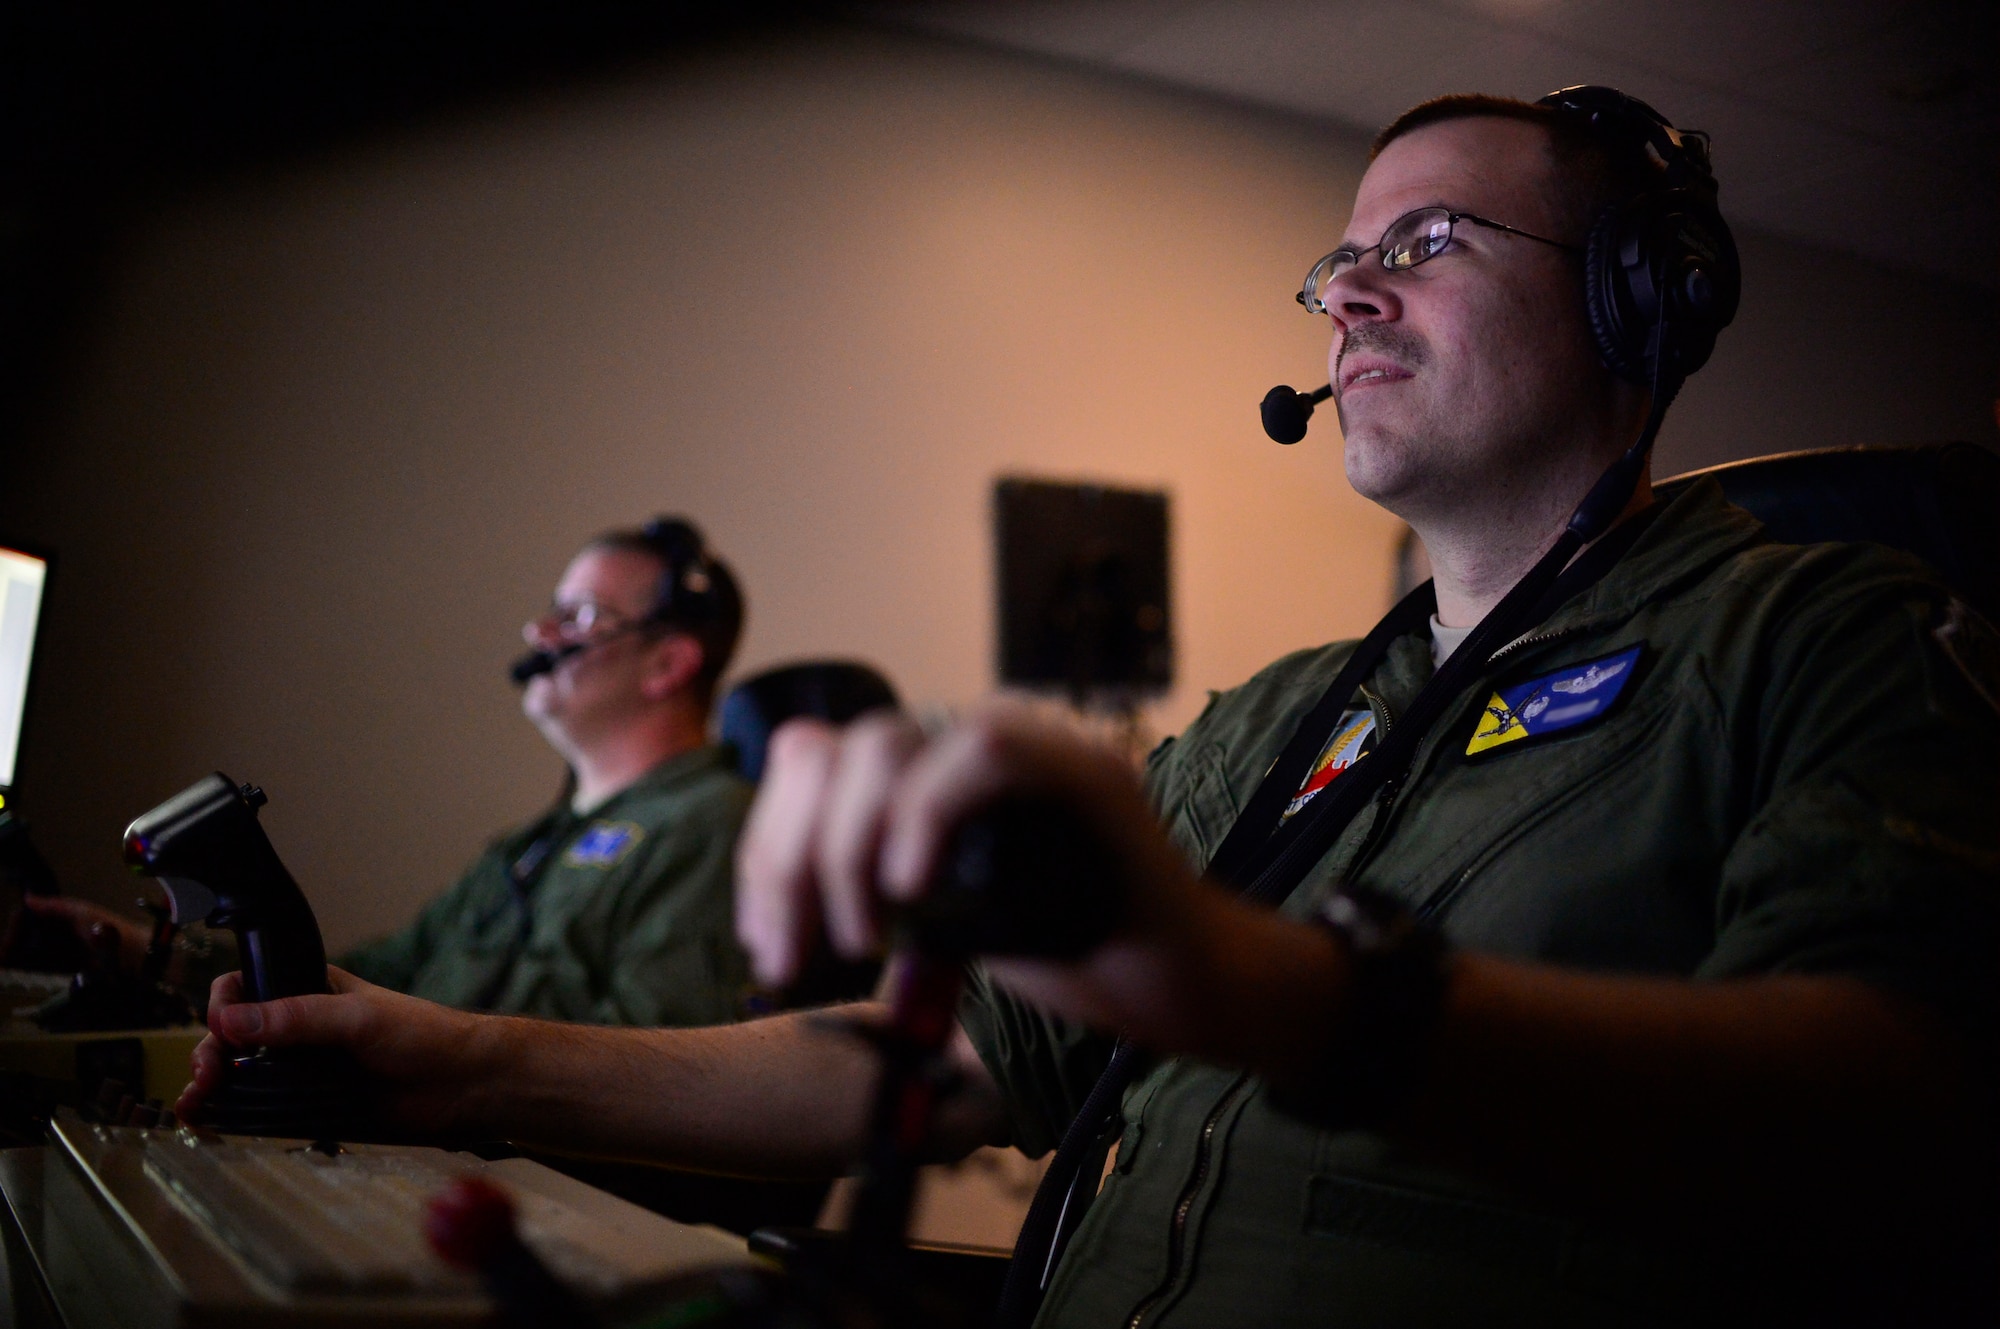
21,579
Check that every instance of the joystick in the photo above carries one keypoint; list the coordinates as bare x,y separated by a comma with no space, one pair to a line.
208,850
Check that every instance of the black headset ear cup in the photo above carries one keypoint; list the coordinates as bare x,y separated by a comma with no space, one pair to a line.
1701,278
1607,299
685,581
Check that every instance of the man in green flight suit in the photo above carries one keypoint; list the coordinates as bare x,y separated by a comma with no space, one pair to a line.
1659,989
614,906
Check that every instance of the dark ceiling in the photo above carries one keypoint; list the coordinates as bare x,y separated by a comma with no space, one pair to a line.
109,109
1865,126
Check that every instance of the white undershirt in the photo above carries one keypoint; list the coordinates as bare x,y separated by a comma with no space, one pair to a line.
1444,641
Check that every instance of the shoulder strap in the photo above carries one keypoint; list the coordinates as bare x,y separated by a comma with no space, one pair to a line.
1281,782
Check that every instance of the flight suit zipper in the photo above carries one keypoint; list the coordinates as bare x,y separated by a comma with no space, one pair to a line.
1385,802
1535,639
1385,720
1177,1229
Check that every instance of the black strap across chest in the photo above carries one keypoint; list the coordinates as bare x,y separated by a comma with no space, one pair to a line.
524,874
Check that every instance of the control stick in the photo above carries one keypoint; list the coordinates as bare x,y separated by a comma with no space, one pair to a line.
1026,876
207,848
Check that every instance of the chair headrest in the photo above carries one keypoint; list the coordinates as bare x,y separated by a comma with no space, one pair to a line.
833,690
1937,501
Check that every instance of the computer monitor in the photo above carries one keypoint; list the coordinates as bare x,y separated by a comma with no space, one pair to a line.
22,577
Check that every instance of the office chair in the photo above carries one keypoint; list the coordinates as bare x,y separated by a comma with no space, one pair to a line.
1939,502
835,690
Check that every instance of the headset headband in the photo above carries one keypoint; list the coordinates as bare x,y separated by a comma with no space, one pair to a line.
1661,276
688,574
1682,155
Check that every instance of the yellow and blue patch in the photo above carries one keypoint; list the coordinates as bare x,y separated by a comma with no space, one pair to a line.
1573,696
603,843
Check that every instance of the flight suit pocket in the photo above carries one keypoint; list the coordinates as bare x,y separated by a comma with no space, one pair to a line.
1207,810
1426,1223
492,928
1131,1137
1519,792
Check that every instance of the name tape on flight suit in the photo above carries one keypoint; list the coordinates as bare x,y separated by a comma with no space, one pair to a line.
1571,696
603,843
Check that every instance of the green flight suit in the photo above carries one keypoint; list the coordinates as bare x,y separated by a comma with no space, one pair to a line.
1800,777
631,921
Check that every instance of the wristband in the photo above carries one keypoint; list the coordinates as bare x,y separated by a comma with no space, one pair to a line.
1398,967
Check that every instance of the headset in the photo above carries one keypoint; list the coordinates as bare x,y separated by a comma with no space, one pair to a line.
694,586
1660,272
695,589
1661,275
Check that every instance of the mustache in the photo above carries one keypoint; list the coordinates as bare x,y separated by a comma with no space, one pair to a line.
1399,343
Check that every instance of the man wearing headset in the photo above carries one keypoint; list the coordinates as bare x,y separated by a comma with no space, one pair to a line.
614,906
1657,988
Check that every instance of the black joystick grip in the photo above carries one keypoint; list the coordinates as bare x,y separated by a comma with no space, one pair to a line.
1024,877
207,848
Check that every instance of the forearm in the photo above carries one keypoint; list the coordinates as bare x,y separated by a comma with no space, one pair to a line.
1617,1087
1792,1090
784,1096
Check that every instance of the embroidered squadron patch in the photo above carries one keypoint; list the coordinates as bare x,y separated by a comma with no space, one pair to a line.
1554,702
603,843
1351,740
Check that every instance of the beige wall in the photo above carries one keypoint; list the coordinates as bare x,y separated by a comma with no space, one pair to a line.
336,431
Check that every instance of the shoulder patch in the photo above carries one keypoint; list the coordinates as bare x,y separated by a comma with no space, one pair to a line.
1575,695
602,844
1973,646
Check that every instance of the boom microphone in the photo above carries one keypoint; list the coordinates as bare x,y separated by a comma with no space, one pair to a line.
541,662
1286,411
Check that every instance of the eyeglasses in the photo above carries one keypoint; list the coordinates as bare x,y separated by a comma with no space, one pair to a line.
575,624
1413,238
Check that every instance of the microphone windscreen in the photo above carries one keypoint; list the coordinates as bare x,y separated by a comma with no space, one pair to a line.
541,662
530,665
1286,413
